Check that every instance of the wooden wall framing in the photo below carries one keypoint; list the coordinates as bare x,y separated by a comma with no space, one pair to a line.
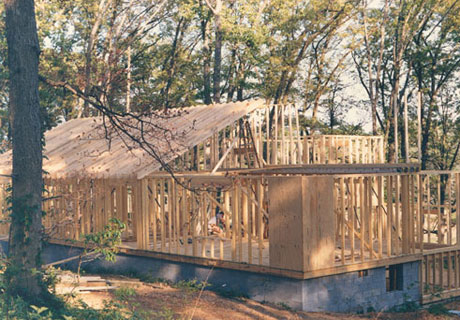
375,217
247,144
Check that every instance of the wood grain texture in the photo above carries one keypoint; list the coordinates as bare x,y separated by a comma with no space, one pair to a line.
302,223
79,146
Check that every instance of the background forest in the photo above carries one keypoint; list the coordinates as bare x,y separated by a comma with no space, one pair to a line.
327,57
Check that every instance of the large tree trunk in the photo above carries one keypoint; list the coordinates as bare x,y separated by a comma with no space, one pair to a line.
26,222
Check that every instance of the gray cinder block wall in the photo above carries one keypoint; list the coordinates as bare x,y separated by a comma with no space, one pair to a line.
346,292
349,292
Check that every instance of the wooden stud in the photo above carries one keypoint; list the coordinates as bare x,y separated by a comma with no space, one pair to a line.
184,222
405,214
234,205
145,213
428,204
299,143
351,213
342,218
441,270
397,217
249,233
449,271
163,214
420,211
176,214
275,141
370,216
292,158
238,229
412,213
244,213
267,134
212,248
221,249
449,209
380,215
362,218
153,183
260,200
194,224
204,226
457,269
137,213
440,232
283,138
457,208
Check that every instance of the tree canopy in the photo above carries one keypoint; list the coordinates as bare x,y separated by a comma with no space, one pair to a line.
327,57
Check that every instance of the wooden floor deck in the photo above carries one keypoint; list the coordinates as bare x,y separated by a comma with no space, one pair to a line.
221,249
241,254
214,248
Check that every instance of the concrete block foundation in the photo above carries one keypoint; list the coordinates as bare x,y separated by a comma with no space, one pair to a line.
347,292
361,291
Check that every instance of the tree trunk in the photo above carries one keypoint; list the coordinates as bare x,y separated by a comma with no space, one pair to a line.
239,94
103,6
128,82
217,59
26,218
231,77
426,132
170,62
206,62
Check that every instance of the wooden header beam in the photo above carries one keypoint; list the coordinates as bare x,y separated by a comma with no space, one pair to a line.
314,169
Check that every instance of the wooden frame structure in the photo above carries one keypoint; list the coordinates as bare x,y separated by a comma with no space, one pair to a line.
361,219
244,197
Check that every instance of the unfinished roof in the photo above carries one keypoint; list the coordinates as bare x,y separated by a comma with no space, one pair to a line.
80,147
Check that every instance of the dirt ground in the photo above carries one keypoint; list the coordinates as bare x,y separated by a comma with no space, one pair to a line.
159,300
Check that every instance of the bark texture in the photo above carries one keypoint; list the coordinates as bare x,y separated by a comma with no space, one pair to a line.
27,183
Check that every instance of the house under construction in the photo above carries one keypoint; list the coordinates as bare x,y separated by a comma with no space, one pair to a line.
318,222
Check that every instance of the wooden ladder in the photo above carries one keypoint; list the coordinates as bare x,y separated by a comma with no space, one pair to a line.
246,146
